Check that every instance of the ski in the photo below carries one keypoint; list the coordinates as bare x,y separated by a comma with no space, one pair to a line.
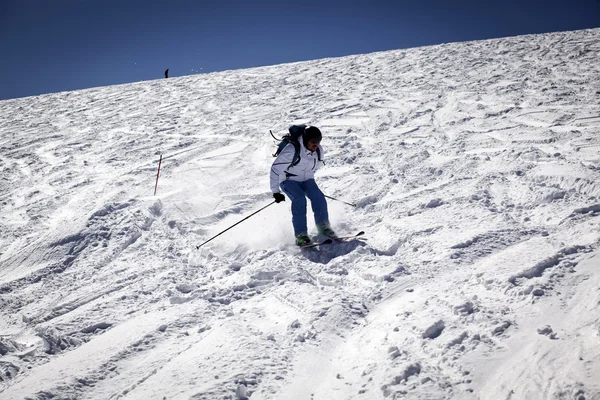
331,240
343,238
316,244
337,239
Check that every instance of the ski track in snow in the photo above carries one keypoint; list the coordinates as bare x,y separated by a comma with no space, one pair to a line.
475,170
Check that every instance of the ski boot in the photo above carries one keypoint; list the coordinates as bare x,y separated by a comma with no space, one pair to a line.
326,230
302,240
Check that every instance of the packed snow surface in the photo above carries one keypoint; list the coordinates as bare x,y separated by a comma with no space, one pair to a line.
474,170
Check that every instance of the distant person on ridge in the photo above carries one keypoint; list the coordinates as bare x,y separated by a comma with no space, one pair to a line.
167,73
293,171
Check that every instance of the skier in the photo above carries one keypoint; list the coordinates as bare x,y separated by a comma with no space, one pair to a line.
297,181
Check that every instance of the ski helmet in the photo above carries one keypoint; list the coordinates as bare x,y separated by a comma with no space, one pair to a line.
311,133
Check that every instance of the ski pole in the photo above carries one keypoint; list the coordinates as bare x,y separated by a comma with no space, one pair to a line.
255,212
341,201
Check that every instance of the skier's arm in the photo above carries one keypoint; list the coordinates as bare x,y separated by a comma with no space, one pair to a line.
322,152
283,160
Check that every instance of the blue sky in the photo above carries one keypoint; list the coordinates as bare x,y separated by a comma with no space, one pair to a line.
50,46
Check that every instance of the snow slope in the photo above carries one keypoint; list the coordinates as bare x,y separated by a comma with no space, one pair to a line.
475,172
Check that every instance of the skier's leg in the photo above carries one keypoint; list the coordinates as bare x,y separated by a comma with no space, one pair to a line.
318,202
294,191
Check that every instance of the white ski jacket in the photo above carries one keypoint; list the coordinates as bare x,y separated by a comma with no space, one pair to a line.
303,171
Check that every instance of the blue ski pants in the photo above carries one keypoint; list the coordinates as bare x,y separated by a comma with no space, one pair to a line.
298,192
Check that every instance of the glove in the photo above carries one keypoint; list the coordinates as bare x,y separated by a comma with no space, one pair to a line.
278,197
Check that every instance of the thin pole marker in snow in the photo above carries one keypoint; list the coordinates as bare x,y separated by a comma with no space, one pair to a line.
157,174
